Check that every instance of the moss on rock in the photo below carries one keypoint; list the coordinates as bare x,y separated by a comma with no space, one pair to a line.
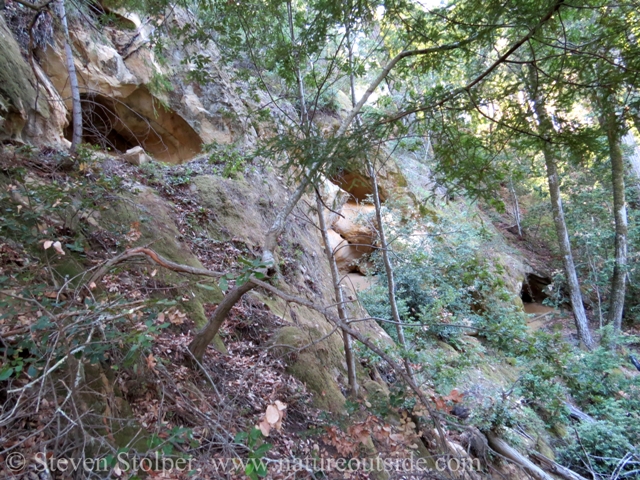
312,365
18,97
152,216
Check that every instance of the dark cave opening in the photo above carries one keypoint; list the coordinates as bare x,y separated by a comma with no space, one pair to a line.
534,288
102,125
140,119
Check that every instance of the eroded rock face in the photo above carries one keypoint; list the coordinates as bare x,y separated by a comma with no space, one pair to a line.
25,114
352,234
130,100
356,224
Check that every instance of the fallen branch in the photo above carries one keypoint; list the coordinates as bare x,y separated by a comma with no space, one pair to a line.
556,468
507,451
159,259
576,413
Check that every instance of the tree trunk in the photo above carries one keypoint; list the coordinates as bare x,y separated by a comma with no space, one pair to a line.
304,116
545,129
384,248
202,339
76,113
634,159
381,234
618,280
504,449
516,206
342,314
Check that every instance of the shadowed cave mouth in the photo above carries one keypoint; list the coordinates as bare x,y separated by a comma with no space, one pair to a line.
138,120
534,288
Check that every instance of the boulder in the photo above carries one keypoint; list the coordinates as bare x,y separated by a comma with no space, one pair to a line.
356,224
136,156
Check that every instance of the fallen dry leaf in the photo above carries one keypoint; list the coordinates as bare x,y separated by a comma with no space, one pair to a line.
272,415
58,247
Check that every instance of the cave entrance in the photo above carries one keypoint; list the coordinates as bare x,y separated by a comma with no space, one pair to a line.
137,120
534,288
102,126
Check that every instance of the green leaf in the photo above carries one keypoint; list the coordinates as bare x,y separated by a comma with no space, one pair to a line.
223,284
6,373
244,261
262,449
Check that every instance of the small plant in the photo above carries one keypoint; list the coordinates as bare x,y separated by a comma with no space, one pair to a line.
255,467
229,156
159,84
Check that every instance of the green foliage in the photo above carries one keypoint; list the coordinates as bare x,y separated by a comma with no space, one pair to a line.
159,84
444,283
255,467
230,156
598,447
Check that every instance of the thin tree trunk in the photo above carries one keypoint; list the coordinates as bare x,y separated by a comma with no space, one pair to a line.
516,207
545,127
76,113
203,338
384,248
304,116
381,234
618,280
634,159
342,314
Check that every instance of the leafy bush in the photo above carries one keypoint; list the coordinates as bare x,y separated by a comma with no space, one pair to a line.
445,284
597,447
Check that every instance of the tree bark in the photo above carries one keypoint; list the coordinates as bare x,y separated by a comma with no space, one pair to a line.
203,338
504,449
634,159
618,280
342,314
76,113
384,248
545,127
304,116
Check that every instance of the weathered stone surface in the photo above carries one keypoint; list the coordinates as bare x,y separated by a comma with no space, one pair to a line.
346,255
25,114
136,101
334,198
136,156
357,224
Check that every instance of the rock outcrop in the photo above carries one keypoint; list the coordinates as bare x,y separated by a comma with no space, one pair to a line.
25,113
130,100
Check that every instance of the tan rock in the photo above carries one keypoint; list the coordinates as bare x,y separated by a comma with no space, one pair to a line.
346,254
136,156
25,112
356,224
334,198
